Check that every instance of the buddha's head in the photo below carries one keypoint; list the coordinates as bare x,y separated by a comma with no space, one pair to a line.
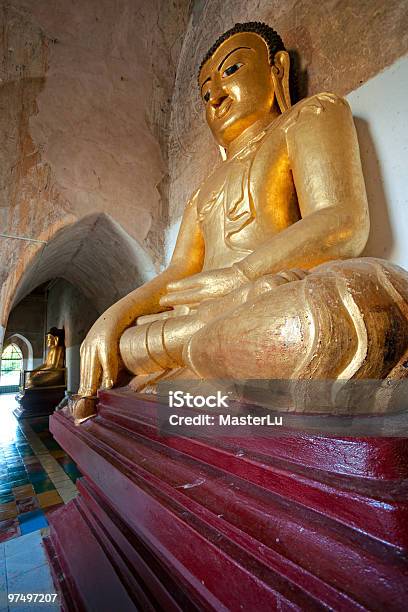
244,78
55,337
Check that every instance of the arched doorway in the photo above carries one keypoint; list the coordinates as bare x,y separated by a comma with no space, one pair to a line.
11,366
25,347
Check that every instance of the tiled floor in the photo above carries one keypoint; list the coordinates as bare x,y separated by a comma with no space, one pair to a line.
36,475
24,571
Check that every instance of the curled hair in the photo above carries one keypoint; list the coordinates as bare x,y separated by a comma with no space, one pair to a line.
272,39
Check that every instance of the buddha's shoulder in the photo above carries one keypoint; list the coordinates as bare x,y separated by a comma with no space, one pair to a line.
321,112
323,106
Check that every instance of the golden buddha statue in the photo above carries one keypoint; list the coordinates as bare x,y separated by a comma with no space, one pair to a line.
264,282
52,372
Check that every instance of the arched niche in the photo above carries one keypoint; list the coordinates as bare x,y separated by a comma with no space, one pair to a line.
96,255
10,354
25,347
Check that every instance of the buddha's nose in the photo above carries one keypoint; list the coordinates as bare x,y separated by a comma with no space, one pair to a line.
217,101
217,96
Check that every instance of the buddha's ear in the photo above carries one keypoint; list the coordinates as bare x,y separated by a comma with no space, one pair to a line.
280,76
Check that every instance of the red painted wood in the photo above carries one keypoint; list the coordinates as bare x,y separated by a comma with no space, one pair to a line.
64,586
294,522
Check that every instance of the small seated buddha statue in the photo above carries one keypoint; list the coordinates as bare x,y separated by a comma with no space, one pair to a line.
51,373
265,281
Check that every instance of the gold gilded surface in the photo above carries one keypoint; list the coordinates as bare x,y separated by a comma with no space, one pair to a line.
52,371
263,282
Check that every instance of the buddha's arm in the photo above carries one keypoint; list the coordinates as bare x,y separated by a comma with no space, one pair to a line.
325,161
50,361
326,167
100,356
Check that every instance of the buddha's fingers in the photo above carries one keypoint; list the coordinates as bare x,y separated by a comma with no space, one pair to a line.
91,371
110,366
185,283
301,274
293,275
178,298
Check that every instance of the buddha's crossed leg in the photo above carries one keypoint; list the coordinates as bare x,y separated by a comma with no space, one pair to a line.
345,319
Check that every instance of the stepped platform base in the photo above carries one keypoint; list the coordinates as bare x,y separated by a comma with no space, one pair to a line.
294,522
40,401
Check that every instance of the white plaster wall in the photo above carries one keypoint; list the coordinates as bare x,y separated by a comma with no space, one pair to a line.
72,361
380,109
170,239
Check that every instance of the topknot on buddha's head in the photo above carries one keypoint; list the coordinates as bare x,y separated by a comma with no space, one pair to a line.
272,39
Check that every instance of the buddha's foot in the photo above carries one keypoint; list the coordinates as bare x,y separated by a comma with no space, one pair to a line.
82,408
147,383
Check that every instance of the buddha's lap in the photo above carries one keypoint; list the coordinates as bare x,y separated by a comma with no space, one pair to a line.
46,378
347,317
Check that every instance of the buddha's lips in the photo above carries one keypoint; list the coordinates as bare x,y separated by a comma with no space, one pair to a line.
223,109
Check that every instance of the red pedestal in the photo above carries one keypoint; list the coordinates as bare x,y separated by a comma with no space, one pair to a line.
37,402
292,522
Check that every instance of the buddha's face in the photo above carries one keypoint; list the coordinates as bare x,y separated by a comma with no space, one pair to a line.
236,86
51,340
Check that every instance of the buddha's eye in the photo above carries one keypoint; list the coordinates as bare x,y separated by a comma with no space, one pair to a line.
231,69
206,96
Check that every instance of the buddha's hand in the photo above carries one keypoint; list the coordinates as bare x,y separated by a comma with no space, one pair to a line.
203,286
100,357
